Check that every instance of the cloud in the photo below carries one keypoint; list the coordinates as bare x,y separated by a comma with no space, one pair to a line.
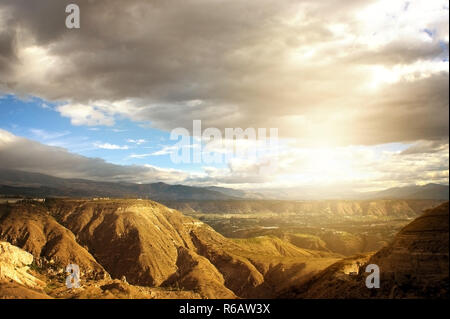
357,168
80,114
350,72
426,147
108,146
24,154
136,141
172,149
45,135
140,155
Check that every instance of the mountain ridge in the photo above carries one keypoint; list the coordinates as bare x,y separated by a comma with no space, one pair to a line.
14,182
144,243
31,184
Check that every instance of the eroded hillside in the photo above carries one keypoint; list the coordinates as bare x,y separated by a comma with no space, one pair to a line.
146,244
414,265
380,207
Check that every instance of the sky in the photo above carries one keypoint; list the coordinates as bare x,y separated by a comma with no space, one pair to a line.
357,90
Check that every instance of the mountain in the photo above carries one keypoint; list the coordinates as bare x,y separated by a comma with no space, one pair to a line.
139,243
20,183
237,193
428,191
142,249
414,265
309,192
386,208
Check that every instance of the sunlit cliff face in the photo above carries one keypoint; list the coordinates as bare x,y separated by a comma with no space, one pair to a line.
358,90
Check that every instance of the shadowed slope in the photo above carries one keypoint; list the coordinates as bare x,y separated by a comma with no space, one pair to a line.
414,265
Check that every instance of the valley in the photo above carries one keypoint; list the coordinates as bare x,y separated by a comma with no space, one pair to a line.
143,243
341,226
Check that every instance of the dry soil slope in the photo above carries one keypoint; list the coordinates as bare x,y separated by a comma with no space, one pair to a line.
196,273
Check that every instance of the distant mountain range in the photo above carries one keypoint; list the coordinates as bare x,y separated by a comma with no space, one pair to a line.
237,193
20,183
428,191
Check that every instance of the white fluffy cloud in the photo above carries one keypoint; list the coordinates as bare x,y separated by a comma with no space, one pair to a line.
80,114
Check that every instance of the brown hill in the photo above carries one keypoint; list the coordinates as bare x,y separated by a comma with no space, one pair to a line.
414,265
131,238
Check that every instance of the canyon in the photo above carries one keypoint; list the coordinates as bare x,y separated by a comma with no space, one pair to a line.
131,248
145,244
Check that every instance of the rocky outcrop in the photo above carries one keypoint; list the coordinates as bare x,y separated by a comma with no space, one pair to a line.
14,266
